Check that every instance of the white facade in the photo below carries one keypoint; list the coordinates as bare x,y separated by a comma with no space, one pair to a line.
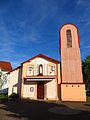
15,82
27,93
24,80
52,89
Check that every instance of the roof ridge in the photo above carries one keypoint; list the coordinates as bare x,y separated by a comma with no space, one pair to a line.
41,55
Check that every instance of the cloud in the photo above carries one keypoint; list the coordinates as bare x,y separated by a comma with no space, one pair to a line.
84,21
83,2
25,24
42,10
84,18
88,47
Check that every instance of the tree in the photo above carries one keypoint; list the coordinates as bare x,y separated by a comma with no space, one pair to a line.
3,79
86,72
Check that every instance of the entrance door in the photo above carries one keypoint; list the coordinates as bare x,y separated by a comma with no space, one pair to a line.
40,90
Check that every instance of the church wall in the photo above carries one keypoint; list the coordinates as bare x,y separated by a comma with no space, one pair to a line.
73,92
51,89
28,93
48,86
15,81
70,57
71,65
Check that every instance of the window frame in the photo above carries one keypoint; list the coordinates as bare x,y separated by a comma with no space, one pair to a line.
69,38
42,69
27,70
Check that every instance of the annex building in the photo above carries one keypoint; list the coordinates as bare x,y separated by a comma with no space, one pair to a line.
42,77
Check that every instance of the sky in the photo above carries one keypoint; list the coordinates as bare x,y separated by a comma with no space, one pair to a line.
30,27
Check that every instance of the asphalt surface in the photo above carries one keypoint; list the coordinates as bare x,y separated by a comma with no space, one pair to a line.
44,110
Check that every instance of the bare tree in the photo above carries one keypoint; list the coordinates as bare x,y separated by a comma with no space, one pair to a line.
3,79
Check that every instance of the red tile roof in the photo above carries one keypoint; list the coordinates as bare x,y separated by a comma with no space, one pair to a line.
5,66
42,56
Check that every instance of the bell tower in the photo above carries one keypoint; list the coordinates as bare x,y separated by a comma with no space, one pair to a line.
72,86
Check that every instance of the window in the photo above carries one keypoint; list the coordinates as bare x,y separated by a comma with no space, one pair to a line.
31,89
51,69
29,70
69,38
40,69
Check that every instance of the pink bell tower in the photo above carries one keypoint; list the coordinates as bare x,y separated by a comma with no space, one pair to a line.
72,86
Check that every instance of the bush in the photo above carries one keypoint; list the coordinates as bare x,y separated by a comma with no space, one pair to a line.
2,95
88,93
14,96
88,99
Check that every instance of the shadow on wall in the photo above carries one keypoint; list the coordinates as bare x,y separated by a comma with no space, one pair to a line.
34,110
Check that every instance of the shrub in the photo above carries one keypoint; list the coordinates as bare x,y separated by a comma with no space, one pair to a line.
88,99
2,95
14,96
88,93
3,98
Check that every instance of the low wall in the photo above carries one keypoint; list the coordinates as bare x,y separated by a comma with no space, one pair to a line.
73,92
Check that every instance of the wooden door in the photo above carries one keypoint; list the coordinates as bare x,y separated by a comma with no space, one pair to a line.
40,90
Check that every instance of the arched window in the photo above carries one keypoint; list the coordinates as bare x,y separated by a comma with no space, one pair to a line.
69,38
40,69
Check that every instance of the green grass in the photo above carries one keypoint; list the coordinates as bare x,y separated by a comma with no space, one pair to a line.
88,98
3,96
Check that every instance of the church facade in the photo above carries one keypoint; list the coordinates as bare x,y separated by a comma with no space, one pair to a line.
36,78
42,77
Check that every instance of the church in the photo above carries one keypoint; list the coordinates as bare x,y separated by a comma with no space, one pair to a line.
42,77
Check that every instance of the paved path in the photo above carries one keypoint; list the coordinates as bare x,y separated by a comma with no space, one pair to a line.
42,110
85,106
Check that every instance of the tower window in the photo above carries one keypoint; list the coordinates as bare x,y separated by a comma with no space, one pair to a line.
69,38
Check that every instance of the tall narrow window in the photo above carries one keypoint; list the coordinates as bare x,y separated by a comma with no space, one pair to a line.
69,38
40,69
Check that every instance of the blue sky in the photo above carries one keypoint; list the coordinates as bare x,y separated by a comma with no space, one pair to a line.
29,27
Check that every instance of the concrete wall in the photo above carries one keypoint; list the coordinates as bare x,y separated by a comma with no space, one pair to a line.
36,62
15,81
73,92
71,66
30,94
51,89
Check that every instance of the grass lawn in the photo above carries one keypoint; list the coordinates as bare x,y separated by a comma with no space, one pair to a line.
3,96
